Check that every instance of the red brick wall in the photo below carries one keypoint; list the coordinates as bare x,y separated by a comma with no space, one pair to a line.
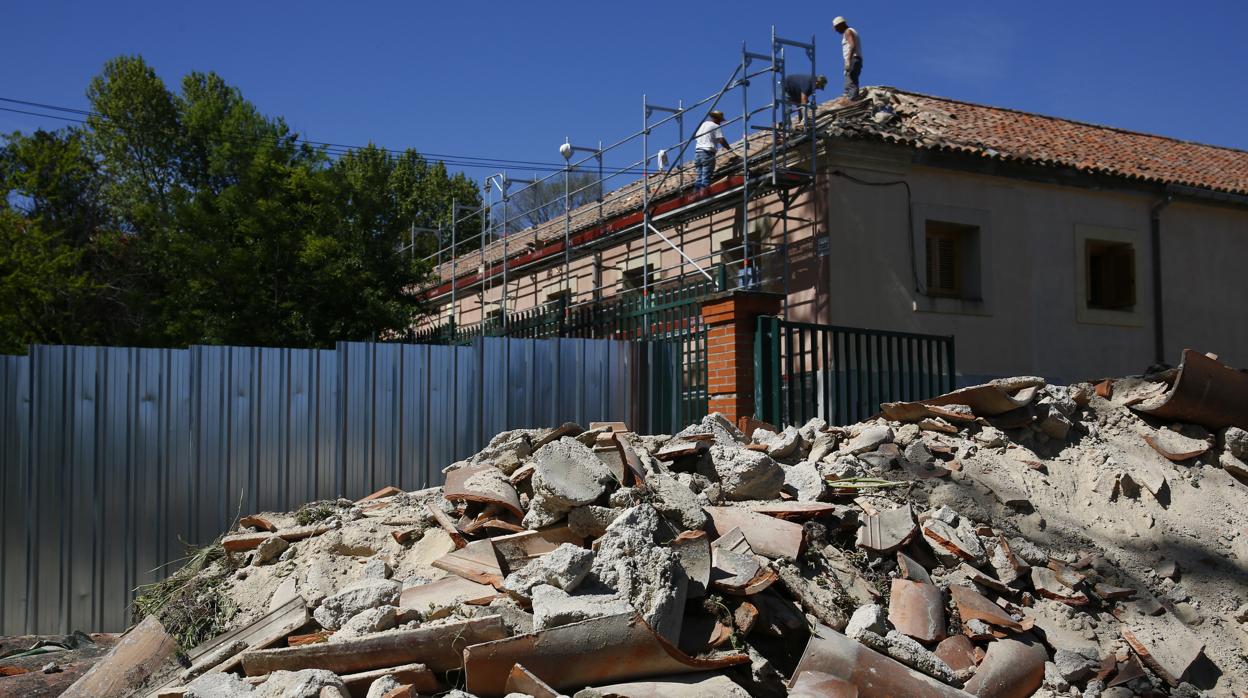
730,320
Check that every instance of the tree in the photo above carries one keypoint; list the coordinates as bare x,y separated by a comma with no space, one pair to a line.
41,284
191,217
534,203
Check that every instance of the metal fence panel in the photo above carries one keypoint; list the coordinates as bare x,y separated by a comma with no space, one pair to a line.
842,374
112,458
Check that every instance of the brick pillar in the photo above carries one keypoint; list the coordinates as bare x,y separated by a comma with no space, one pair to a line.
730,320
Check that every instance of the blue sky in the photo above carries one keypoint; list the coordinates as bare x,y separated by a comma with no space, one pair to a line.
511,80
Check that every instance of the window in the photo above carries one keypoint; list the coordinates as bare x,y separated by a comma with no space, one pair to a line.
635,279
952,259
1110,274
556,298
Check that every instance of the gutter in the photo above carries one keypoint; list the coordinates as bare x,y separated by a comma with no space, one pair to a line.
1168,195
1159,335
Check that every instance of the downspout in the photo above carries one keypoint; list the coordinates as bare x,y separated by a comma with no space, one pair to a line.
1159,336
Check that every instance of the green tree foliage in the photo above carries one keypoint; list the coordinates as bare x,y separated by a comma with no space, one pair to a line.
179,218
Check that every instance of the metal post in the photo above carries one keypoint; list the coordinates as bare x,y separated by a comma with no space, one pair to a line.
745,167
567,225
485,225
502,314
645,209
454,260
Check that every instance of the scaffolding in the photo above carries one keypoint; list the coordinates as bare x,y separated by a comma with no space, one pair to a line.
765,160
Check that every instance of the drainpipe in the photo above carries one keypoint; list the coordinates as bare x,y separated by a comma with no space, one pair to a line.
1159,337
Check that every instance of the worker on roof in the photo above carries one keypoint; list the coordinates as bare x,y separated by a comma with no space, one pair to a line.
708,139
851,51
800,90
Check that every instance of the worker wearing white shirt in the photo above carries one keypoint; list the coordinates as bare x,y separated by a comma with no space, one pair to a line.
851,51
709,138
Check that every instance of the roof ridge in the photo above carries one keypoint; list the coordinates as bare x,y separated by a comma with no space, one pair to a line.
1088,124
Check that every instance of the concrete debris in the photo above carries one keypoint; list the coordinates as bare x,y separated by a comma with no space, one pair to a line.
338,608
553,607
564,567
868,618
591,521
868,439
567,475
630,563
1008,539
744,474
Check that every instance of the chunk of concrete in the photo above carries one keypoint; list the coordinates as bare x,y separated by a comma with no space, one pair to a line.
217,684
299,684
869,439
566,475
723,431
868,618
507,450
269,549
337,609
745,474
630,563
564,567
702,685
382,686
676,501
804,482
781,445
591,521
908,651
553,607
1076,665
374,620
1235,440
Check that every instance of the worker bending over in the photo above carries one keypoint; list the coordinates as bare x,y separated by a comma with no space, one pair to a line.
710,138
851,51
800,90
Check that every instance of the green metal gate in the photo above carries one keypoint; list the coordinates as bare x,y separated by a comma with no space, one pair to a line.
842,374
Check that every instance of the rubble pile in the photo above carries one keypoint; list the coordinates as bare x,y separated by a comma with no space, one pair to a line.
1009,539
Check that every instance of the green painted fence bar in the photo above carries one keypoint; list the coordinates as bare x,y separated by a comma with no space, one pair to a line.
842,374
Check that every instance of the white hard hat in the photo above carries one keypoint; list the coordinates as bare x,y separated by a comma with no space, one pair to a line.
839,21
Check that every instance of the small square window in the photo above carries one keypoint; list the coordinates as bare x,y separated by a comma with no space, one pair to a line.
560,297
952,259
1110,274
634,280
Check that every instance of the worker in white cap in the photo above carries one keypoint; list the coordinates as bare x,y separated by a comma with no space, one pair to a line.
851,50
708,139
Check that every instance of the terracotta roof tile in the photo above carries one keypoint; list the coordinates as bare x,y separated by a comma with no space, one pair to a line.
940,123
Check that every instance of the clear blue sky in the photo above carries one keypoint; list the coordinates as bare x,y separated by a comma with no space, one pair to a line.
511,80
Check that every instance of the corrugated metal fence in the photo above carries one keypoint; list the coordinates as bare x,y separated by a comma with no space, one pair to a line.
111,457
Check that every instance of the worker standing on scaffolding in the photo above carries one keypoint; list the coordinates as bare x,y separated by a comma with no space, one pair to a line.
800,90
851,50
710,137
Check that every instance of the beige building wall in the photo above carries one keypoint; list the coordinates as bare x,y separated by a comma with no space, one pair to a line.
849,262
1032,317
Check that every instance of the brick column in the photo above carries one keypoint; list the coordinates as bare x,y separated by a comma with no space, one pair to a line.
730,320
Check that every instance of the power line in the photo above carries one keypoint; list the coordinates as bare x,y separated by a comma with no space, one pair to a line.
465,161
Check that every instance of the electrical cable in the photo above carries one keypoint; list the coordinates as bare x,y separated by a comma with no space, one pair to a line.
914,269
466,161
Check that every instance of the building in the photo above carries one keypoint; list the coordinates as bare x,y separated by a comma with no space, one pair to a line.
1044,246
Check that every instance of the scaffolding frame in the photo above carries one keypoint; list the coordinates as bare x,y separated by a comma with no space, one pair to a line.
745,180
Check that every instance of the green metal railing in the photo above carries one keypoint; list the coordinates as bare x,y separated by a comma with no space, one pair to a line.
842,374
671,314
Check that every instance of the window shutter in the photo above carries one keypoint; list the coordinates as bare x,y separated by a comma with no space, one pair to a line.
942,265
